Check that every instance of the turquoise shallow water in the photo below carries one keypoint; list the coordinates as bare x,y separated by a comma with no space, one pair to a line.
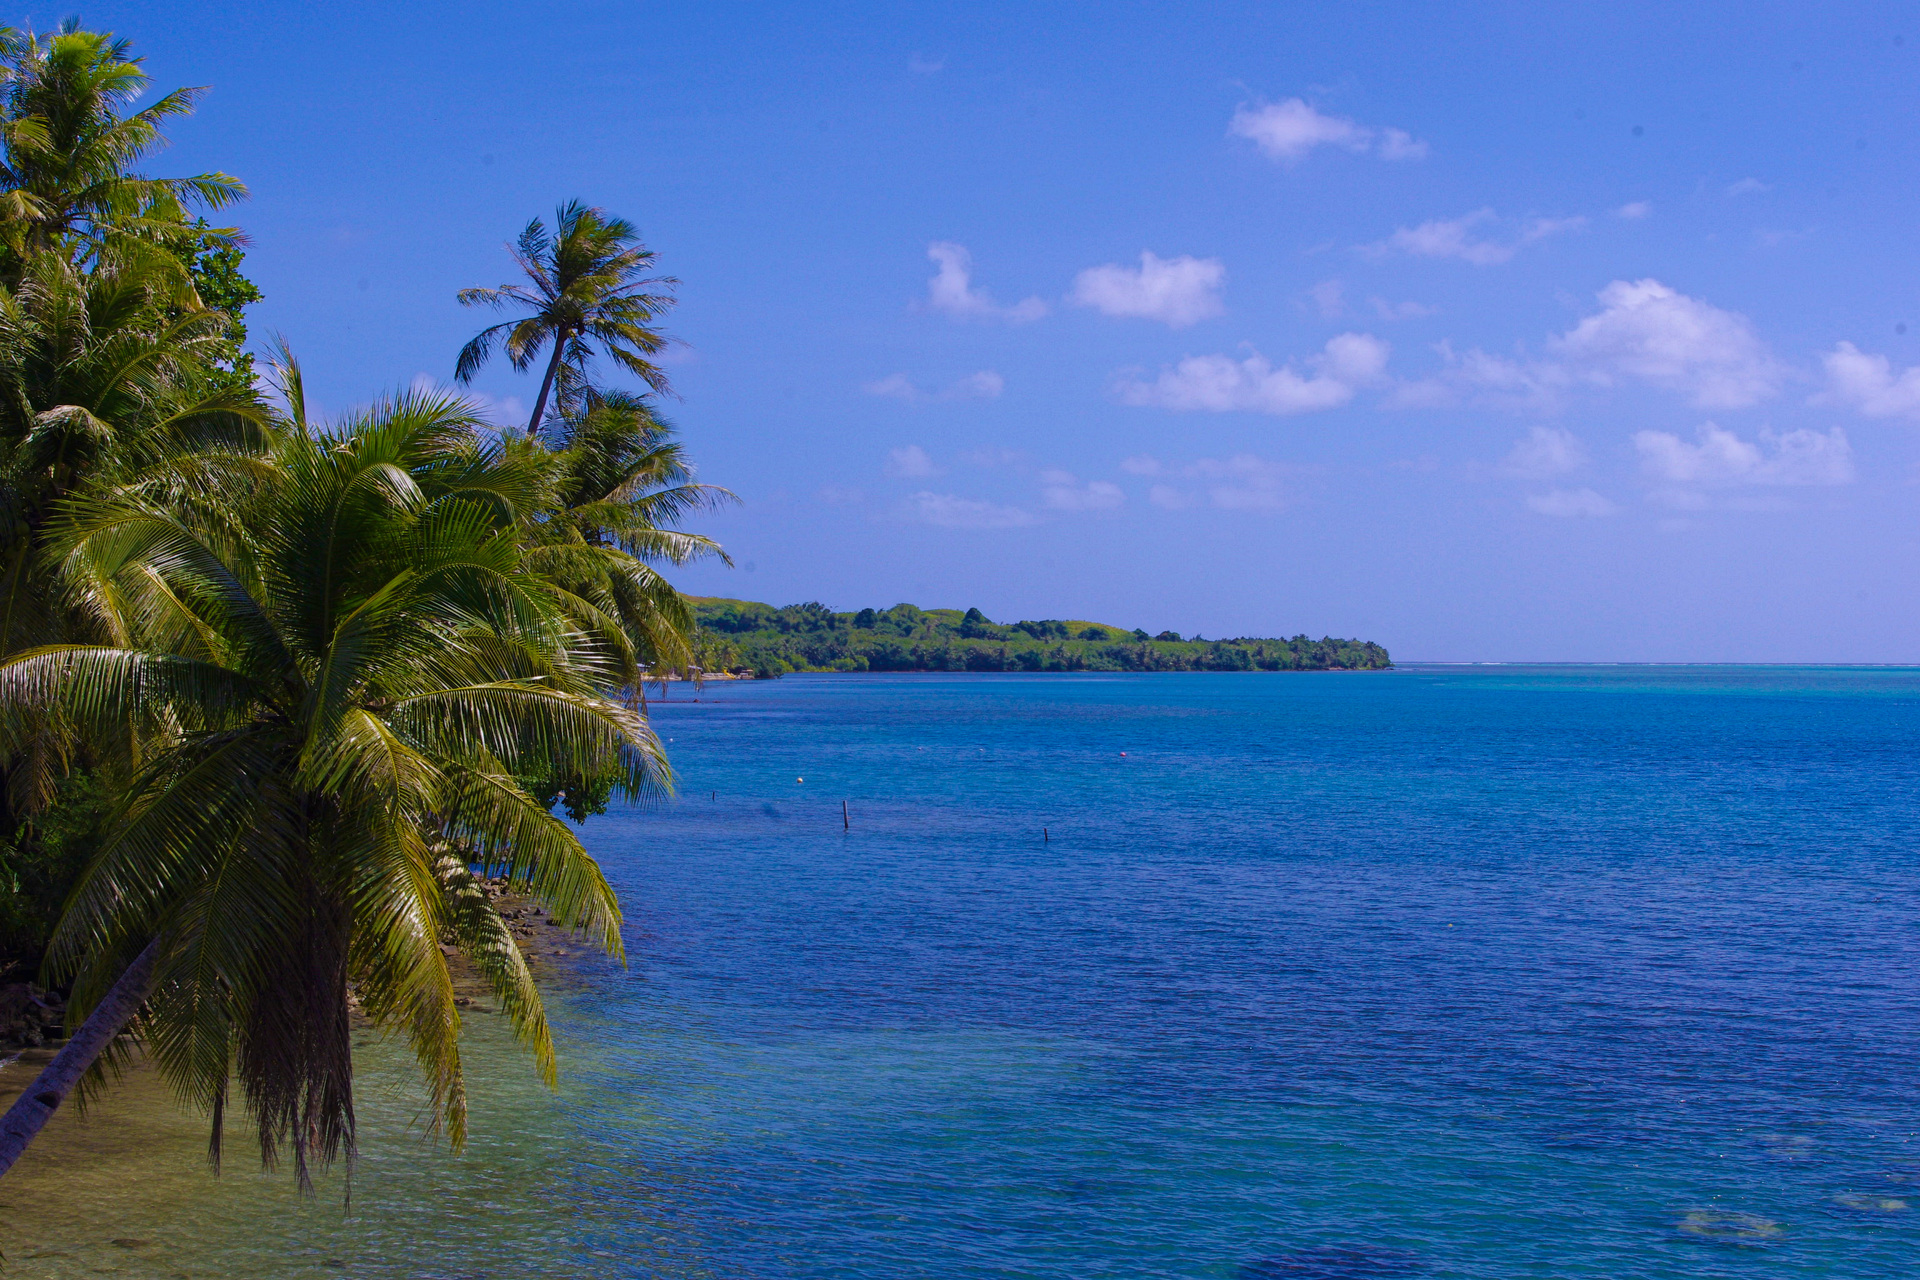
1444,972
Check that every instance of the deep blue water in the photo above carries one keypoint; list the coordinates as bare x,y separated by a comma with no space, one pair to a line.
1448,972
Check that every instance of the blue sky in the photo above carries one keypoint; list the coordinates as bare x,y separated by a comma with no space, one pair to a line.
1488,332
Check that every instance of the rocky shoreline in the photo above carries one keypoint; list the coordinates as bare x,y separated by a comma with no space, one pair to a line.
31,1016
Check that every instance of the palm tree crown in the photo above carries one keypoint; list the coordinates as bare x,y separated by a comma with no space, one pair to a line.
67,151
588,287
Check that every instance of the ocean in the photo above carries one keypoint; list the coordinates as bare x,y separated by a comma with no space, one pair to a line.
1449,971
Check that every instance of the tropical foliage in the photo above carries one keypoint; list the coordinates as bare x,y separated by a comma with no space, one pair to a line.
329,699
275,693
68,147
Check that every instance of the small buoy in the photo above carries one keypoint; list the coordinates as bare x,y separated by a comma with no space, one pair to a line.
1123,753
799,779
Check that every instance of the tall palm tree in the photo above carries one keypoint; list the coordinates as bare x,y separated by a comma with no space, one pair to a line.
67,148
587,288
323,704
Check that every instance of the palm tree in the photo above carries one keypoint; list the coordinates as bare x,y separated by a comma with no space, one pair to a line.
587,286
323,704
616,482
67,151
104,388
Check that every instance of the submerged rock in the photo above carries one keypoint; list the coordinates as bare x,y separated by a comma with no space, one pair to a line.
1872,1203
1727,1224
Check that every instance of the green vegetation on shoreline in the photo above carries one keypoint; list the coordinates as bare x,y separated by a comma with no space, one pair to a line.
740,635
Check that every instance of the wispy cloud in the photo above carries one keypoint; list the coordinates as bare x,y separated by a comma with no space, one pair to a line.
1243,482
950,511
1747,187
910,463
1634,211
925,66
1719,459
1063,492
1570,503
1175,291
1459,238
1401,310
984,385
1329,299
1288,131
1545,452
951,290
1221,384
1478,377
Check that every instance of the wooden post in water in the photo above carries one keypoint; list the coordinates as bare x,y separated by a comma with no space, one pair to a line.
846,823
1044,838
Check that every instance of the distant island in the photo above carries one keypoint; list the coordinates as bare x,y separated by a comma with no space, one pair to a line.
746,638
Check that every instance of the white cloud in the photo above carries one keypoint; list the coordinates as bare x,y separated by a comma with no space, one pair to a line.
1570,502
1288,130
1867,384
1401,310
1722,458
952,512
1168,498
1545,452
1329,299
910,463
984,385
1222,384
1455,238
1175,291
1141,464
1063,492
1652,333
1644,332
1748,187
951,290
1635,211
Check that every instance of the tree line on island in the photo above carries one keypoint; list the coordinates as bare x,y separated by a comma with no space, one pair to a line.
742,637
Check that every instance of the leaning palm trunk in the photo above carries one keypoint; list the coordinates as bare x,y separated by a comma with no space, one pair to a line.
32,1109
